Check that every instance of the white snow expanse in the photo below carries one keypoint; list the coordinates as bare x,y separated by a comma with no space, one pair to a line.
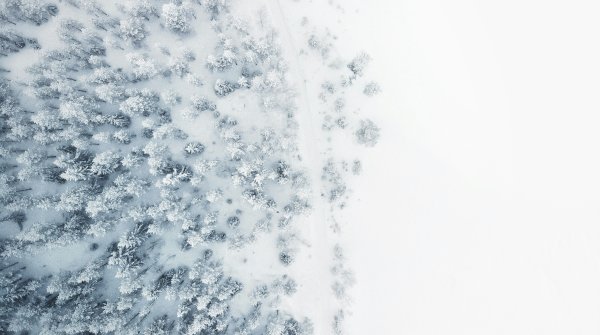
480,202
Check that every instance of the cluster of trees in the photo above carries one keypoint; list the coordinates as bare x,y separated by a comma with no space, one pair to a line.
33,11
89,153
344,80
71,302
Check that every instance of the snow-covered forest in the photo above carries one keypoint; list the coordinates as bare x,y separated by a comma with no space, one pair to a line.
296,167
176,167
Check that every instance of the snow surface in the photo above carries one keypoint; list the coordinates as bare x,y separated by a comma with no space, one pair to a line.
478,210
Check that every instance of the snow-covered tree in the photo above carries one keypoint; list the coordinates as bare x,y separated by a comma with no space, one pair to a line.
132,29
179,65
224,87
215,7
280,324
359,63
222,62
110,93
160,326
194,148
203,104
368,133
35,11
144,68
171,97
140,9
78,109
177,18
11,42
47,120
371,89
105,163
144,102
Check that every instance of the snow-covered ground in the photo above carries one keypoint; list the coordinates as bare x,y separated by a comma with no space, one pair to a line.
478,210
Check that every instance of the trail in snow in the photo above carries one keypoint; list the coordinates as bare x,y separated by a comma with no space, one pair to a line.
317,288
328,285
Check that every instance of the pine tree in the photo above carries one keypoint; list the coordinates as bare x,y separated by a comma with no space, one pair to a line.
224,87
368,133
132,29
177,17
